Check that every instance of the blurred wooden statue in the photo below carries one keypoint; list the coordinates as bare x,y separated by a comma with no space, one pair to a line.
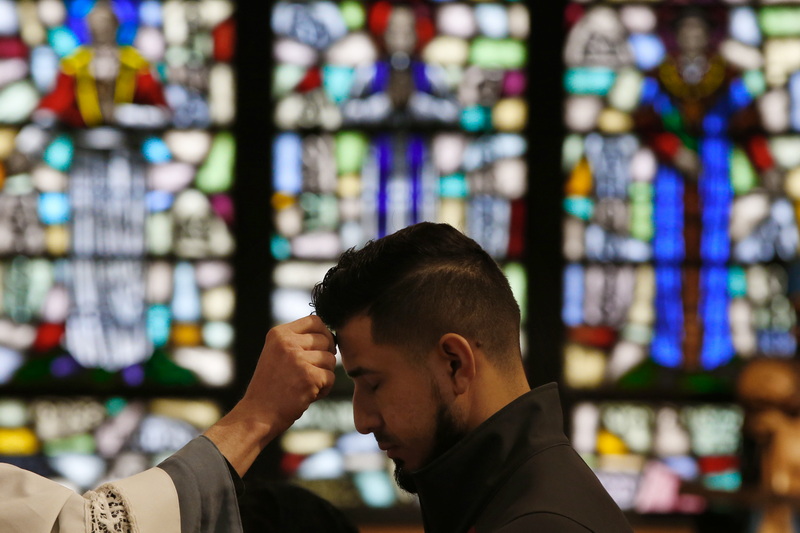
770,391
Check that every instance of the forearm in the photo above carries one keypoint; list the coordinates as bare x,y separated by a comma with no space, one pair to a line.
241,435
295,368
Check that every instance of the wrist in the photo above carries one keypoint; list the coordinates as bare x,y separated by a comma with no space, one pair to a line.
241,435
260,426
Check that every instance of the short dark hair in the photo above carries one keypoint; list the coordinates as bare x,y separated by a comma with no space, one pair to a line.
420,283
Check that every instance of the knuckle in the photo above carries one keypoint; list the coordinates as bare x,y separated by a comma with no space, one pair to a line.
273,334
280,337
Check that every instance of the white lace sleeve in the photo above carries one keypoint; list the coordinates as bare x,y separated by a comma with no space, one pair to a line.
144,503
107,511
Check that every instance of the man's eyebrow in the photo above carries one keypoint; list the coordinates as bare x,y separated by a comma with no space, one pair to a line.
359,371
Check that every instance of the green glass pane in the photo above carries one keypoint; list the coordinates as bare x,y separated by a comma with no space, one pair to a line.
160,369
518,279
743,175
353,15
216,174
351,148
571,152
780,21
755,82
18,185
285,78
82,444
640,191
498,53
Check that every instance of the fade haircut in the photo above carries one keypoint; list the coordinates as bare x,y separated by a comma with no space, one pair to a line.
420,283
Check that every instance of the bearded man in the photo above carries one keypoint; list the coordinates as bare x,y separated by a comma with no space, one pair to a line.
428,330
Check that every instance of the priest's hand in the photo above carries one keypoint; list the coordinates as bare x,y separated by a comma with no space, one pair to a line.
295,369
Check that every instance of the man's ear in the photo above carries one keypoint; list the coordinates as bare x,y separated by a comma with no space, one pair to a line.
456,352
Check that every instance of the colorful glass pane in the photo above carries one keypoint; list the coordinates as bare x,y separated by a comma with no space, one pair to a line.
645,454
116,168
82,442
388,114
679,176
680,228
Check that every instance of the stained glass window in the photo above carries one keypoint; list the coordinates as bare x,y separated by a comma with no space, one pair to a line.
116,165
680,213
116,168
642,453
84,441
387,114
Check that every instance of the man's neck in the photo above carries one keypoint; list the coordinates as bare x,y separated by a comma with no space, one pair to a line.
495,391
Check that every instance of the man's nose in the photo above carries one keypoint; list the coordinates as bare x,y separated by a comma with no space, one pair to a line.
366,418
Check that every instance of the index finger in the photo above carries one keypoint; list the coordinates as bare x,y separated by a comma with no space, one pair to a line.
315,341
312,324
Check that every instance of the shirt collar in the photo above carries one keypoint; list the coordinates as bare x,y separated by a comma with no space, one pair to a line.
455,488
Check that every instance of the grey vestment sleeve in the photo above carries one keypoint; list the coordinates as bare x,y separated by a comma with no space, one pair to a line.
207,488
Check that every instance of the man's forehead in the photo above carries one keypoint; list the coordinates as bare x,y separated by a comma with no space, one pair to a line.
346,343
355,332
357,358
360,354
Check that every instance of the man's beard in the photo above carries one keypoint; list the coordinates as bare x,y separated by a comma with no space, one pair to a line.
448,432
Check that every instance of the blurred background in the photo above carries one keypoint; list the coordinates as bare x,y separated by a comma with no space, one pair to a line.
176,175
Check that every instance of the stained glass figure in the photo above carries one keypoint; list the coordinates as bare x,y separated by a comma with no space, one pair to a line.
673,173
115,207
680,230
388,114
